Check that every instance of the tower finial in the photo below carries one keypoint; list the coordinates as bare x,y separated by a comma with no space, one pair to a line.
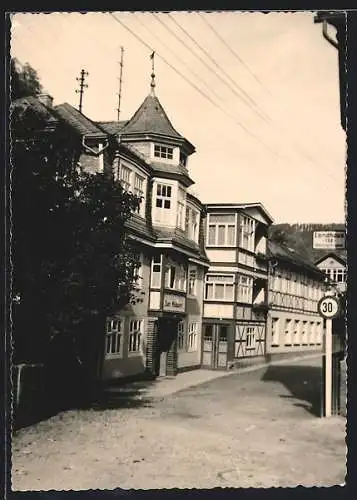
153,84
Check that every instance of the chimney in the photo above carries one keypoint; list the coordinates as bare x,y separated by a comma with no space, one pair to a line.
46,99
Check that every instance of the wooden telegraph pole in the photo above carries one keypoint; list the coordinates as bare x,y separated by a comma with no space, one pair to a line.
120,81
82,86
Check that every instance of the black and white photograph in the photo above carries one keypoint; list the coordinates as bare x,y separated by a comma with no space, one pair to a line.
178,249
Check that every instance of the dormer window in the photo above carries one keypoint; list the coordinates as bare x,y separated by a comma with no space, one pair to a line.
163,152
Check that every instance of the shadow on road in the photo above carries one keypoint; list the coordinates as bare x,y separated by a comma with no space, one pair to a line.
303,383
129,394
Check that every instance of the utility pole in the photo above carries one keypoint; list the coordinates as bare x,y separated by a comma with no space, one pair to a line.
82,86
120,81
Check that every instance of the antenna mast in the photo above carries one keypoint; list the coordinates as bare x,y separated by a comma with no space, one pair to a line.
120,81
82,86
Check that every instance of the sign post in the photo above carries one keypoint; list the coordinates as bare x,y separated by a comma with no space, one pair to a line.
329,308
329,240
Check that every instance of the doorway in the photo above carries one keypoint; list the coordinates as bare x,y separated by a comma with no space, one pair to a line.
215,345
167,349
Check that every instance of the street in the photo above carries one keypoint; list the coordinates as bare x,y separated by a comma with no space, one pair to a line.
252,429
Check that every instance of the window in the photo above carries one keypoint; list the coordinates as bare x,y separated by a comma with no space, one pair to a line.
250,338
247,237
181,204
219,287
125,176
175,277
156,272
192,336
304,333
139,189
192,280
113,341
221,230
275,331
245,289
296,340
163,196
183,159
163,152
288,332
181,335
192,221
135,334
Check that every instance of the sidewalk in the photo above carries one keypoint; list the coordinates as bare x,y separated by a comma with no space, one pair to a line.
165,386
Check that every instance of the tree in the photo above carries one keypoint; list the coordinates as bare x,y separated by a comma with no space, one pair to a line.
73,264
24,80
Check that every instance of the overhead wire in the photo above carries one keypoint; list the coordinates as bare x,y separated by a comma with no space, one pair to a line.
241,61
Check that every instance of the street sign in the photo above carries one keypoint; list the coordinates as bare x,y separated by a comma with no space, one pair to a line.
328,307
329,240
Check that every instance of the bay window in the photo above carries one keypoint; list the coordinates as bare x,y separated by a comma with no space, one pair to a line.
125,177
221,230
163,202
175,277
219,287
192,221
139,192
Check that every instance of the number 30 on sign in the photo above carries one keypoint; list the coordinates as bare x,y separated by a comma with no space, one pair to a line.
329,307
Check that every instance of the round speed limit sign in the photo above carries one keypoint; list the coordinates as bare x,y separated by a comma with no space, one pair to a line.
329,307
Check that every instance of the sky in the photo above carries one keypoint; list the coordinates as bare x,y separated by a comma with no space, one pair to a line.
258,95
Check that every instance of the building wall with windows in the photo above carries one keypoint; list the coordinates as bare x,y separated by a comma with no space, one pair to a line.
235,295
335,269
295,287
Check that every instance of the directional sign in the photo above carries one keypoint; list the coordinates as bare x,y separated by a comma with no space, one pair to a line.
329,240
328,307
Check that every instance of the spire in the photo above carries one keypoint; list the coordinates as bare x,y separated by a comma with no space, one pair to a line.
153,84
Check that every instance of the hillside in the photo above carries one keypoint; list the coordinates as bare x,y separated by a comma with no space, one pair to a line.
299,237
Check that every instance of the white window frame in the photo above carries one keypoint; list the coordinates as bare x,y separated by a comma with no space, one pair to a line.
181,335
113,337
165,152
156,271
221,224
163,195
192,281
192,336
247,233
275,331
288,333
181,208
178,281
125,175
228,282
250,338
135,336
245,289
139,191
193,223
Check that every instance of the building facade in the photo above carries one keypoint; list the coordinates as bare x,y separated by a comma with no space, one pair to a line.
161,334
295,287
236,284
334,267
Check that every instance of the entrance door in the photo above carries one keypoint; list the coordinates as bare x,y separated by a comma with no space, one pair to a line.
167,333
215,345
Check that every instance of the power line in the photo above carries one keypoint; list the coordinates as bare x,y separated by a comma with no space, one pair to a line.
195,87
233,52
263,115
306,155
180,59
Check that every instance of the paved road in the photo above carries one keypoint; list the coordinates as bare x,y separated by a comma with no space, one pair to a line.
255,429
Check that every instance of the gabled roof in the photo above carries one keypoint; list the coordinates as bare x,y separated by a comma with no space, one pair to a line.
78,121
241,206
331,255
287,254
151,118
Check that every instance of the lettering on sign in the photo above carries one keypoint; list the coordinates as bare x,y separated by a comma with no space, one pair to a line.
329,307
174,303
329,240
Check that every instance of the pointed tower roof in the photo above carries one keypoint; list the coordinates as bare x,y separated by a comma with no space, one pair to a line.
151,118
